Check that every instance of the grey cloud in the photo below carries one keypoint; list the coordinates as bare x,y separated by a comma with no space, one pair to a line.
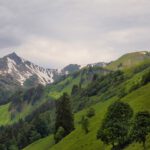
114,25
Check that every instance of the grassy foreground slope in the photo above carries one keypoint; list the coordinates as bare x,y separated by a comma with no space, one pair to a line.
5,116
42,144
78,140
139,100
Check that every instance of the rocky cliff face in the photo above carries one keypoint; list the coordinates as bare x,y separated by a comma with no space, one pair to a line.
21,70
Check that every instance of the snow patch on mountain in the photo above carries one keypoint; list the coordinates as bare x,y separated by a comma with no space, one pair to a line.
21,70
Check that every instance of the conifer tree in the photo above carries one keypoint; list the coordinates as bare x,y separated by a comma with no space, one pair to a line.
64,115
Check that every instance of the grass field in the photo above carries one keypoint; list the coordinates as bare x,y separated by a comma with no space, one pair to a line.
129,60
5,116
42,144
78,140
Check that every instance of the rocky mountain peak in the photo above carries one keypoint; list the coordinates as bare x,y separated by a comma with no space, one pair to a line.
22,70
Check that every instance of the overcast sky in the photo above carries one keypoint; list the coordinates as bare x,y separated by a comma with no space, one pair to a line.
54,33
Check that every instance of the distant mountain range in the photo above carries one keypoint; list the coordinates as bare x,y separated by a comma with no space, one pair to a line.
95,86
24,73
16,72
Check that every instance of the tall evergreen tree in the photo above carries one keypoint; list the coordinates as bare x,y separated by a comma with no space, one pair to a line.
64,115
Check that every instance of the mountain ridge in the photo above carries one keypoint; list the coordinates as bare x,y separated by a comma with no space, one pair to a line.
21,69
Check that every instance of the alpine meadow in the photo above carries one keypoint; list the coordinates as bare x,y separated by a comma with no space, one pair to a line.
74,75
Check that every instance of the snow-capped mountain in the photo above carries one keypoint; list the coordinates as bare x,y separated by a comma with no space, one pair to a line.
17,73
21,70
25,73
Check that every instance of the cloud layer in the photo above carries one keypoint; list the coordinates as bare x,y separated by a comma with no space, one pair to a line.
54,33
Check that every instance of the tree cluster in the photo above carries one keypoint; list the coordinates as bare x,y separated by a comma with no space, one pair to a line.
33,127
118,130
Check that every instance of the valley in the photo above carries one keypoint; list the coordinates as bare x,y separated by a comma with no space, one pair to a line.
98,86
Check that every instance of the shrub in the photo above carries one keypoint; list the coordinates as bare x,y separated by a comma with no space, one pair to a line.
90,113
59,134
85,124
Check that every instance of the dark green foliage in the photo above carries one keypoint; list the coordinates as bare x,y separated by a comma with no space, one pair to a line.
3,147
121,93
95,77
23,133
146,78
32,81
59,134
85,124
90,113
20,98
75,90
8,86
104,83
141,127
134,87
42,124
64,116
12,145
141,67
34,135
115,127
120,66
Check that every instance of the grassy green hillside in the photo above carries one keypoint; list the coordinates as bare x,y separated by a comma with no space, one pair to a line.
5,116
95,87
51,92
82,78
78,140
42,144
129,60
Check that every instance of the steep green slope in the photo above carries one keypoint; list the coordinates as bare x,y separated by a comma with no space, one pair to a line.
22,104
5,116
129,60
42,144
25,102
81,78
139,101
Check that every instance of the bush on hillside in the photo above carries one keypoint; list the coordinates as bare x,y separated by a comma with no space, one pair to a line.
59,134
90,113
85,124
146,78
